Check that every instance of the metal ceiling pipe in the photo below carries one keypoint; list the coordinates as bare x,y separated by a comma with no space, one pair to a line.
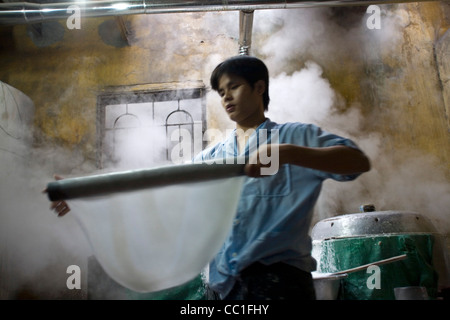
12,13
245,31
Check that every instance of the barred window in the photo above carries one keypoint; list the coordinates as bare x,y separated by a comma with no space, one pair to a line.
149,127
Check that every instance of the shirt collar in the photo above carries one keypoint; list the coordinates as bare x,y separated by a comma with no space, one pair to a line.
232,142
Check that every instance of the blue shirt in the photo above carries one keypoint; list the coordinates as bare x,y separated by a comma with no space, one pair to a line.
274,212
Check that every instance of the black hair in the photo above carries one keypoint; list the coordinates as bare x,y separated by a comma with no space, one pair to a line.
250,68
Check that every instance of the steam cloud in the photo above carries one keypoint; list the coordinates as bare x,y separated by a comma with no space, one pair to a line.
306,96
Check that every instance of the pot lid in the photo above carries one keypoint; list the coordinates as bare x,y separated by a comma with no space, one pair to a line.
372,223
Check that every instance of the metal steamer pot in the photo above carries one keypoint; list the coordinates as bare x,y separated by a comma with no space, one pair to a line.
372,223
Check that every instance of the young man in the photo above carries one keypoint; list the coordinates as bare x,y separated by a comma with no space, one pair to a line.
267,254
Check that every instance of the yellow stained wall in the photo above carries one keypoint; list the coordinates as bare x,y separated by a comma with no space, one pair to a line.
64,79
408,98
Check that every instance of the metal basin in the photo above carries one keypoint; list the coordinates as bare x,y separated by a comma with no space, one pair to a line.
327,286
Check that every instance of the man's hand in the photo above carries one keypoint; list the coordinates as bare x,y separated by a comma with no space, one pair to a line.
264,161
60,207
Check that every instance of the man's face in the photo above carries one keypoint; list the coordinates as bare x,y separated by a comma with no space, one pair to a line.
241,102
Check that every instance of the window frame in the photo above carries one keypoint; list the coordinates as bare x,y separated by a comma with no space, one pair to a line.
143,94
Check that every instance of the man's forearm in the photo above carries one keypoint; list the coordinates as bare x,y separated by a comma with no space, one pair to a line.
335,159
